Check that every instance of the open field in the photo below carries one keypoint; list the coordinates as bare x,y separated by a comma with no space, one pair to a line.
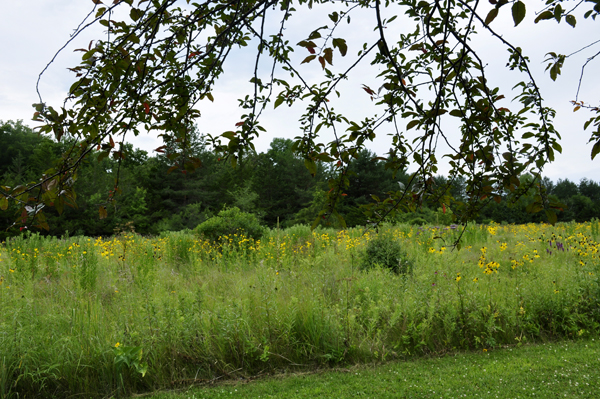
110,317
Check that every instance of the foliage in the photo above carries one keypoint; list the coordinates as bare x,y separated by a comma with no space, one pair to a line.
229,222
385,251
156,67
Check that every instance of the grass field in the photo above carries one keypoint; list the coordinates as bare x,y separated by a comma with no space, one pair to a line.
569,369
101,317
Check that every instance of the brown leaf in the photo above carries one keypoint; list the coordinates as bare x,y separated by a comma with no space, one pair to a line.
102,212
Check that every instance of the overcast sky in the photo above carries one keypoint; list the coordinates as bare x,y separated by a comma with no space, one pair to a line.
33,30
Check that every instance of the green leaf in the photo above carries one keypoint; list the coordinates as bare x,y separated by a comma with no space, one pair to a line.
311,166
491,15
103,155
571,20
456,112
136,14
518,12
545,15
3,203
557,147
314,35
412,124
341,45
102,212
551,215
278,102
88,54
558,12
595,149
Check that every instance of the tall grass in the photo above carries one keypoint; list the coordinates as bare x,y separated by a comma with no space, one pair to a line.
103,317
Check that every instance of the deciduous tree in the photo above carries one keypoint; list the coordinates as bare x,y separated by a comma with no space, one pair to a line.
153,70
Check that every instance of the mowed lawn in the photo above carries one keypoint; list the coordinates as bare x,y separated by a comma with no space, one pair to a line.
552,370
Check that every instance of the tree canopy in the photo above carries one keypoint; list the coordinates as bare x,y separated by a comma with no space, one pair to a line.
156,66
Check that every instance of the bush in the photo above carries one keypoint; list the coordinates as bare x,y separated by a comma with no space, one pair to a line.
417,222
228,222
386,252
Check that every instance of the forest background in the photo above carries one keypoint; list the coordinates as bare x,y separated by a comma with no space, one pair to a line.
274,185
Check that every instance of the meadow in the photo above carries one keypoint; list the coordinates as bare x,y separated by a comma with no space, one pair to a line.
102,317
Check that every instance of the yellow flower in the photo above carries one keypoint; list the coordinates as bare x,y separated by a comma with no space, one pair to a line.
458,277
117,345
475,280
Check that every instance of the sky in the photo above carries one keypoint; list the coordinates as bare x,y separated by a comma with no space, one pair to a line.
34,30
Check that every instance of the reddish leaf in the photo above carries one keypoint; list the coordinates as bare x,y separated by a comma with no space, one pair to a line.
308,59
240,123
322,61
311,50
368,90
146,108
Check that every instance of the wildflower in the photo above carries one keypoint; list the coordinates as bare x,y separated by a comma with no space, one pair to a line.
475,280
458,277
117,345
556,291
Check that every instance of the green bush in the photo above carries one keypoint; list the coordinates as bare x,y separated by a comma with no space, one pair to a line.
384,251
228,222
417,222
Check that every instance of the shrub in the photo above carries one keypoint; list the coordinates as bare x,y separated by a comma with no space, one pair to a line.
417,222
228,222
386,252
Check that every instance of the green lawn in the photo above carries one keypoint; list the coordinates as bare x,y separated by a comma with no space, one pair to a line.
552,370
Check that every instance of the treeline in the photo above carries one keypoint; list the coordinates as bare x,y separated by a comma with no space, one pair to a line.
274,185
